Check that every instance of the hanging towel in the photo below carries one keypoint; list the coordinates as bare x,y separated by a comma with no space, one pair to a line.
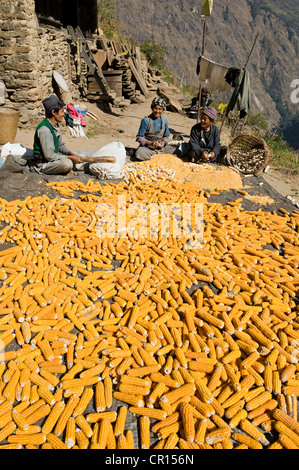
213,73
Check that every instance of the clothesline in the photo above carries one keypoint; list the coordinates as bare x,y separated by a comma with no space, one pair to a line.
214,73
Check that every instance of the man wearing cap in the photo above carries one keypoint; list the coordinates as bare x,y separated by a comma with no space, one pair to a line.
204,143
51,156
153,134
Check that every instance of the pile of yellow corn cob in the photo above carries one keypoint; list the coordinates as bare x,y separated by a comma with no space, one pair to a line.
199,343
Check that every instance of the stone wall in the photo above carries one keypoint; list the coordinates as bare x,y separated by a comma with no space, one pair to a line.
29,53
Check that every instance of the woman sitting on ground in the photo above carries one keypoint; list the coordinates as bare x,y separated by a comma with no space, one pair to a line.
204,143
153,135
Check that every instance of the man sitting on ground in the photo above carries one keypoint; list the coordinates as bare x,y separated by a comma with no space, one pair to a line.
51,156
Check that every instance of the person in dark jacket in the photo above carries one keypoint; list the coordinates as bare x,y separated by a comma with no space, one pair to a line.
205,99
204,143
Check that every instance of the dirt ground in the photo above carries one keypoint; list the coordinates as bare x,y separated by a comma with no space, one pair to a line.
123,124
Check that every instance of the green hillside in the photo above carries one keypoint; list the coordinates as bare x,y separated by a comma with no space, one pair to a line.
286,10
231,29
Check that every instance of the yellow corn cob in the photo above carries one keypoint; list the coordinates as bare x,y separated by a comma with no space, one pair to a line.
188,421
258,400
100,401
248,441
269,405
166,431
282,428
142,371
217,435
9,391
288,421
134,400
19,420
204,392
84,425
144,431
253,431
121,442
84,401
120,422
108,392
237,418
55,442
95,417
103,433
286,442
171,419
154,413
171,441
70,433
66,413
172,396
201,431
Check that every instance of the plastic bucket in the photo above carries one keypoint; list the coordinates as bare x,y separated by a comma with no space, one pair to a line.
9,121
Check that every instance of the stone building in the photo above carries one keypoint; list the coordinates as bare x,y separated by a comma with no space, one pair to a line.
34,43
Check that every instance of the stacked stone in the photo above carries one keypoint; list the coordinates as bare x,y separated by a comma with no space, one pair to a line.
29,54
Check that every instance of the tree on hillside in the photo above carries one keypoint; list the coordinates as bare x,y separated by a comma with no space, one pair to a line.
106,11
154,53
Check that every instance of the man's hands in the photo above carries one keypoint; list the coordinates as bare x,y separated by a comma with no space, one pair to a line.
75,158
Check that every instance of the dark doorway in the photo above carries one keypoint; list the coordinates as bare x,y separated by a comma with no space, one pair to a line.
61,13
69,13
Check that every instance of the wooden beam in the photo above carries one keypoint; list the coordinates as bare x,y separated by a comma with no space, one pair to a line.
139,79
138,58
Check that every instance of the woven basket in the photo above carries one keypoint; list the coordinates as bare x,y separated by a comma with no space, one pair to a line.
9,121
248,154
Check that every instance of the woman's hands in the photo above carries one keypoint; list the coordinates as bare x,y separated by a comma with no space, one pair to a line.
157,144
206,156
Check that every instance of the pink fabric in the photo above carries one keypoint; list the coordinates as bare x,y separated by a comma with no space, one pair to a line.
75,115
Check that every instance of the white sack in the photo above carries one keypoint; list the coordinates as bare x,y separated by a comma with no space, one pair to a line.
17,150
108,170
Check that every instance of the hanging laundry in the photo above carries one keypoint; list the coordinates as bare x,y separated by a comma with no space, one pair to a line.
241,95
213,73
207,6
232,76
74,121
75,115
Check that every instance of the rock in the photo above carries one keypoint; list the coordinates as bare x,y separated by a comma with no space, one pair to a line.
170,95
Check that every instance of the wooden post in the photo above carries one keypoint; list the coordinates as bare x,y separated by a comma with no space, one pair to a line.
244,70
138,59
202,53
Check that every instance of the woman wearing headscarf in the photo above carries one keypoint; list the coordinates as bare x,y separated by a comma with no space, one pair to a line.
153,134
